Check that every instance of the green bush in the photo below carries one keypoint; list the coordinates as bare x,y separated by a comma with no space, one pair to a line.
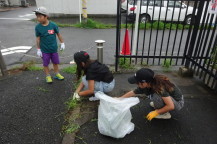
180,26
158,25
145,26
171,26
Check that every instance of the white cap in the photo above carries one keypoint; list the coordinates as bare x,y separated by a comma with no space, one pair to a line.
41,10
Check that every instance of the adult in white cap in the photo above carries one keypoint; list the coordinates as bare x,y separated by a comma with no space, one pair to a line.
165,96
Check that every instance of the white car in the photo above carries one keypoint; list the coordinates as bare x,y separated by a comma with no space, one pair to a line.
124,6
166,8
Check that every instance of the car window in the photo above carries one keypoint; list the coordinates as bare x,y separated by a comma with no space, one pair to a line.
132,2
159,3
144,2
153,3
177,4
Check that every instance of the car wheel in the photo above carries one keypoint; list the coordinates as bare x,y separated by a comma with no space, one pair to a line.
189,19
144,18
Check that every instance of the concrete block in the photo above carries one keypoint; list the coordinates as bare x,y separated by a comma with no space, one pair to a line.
185,72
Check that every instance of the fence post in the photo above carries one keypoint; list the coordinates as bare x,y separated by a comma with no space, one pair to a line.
194,34
2,65
99,44
118,23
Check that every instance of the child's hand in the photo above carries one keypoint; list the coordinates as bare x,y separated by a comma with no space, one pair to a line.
62,46
76,96
39,53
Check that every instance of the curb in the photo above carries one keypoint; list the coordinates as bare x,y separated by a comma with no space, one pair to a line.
8,9
86,111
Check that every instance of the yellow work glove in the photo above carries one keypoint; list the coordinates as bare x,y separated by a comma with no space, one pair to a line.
152,115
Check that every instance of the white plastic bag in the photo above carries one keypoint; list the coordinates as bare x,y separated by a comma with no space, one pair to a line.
114,116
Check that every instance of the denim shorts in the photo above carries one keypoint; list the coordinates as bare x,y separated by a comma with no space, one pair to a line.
47,57
100,86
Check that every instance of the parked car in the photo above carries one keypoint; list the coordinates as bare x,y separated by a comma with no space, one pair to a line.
165,9
124,6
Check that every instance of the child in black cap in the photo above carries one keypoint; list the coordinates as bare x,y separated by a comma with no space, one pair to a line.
96,76
165,96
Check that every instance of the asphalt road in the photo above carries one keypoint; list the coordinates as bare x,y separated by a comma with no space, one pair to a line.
17,30
31,111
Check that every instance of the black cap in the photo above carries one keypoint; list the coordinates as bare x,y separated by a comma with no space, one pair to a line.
142,75
81,56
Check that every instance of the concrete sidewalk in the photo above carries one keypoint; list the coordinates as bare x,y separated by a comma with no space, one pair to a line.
194,124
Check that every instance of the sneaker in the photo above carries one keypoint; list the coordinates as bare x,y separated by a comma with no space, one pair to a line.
166,115
59,77
93,98
49,79
152,104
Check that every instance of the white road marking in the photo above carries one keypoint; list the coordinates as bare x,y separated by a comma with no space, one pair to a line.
26,15
25,19
18,49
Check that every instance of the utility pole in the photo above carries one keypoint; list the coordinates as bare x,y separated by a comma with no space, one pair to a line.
84,10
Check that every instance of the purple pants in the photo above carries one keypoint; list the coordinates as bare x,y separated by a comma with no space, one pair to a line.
46,57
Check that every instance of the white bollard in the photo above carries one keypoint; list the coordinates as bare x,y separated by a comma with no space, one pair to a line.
99,44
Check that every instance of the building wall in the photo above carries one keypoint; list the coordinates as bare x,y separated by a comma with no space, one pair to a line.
94,7
31,2
14,2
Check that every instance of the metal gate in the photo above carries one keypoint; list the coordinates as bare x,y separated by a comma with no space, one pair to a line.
181,32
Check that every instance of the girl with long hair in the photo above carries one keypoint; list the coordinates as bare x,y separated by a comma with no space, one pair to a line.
95,76
164,95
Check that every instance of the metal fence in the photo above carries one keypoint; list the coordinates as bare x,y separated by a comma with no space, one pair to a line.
169,31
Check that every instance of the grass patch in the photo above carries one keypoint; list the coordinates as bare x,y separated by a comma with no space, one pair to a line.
94,120
82,139
30,66
124,63
214,58
71,128
93,24
64,25
70,69
34,68
71,103
167,64
43,89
